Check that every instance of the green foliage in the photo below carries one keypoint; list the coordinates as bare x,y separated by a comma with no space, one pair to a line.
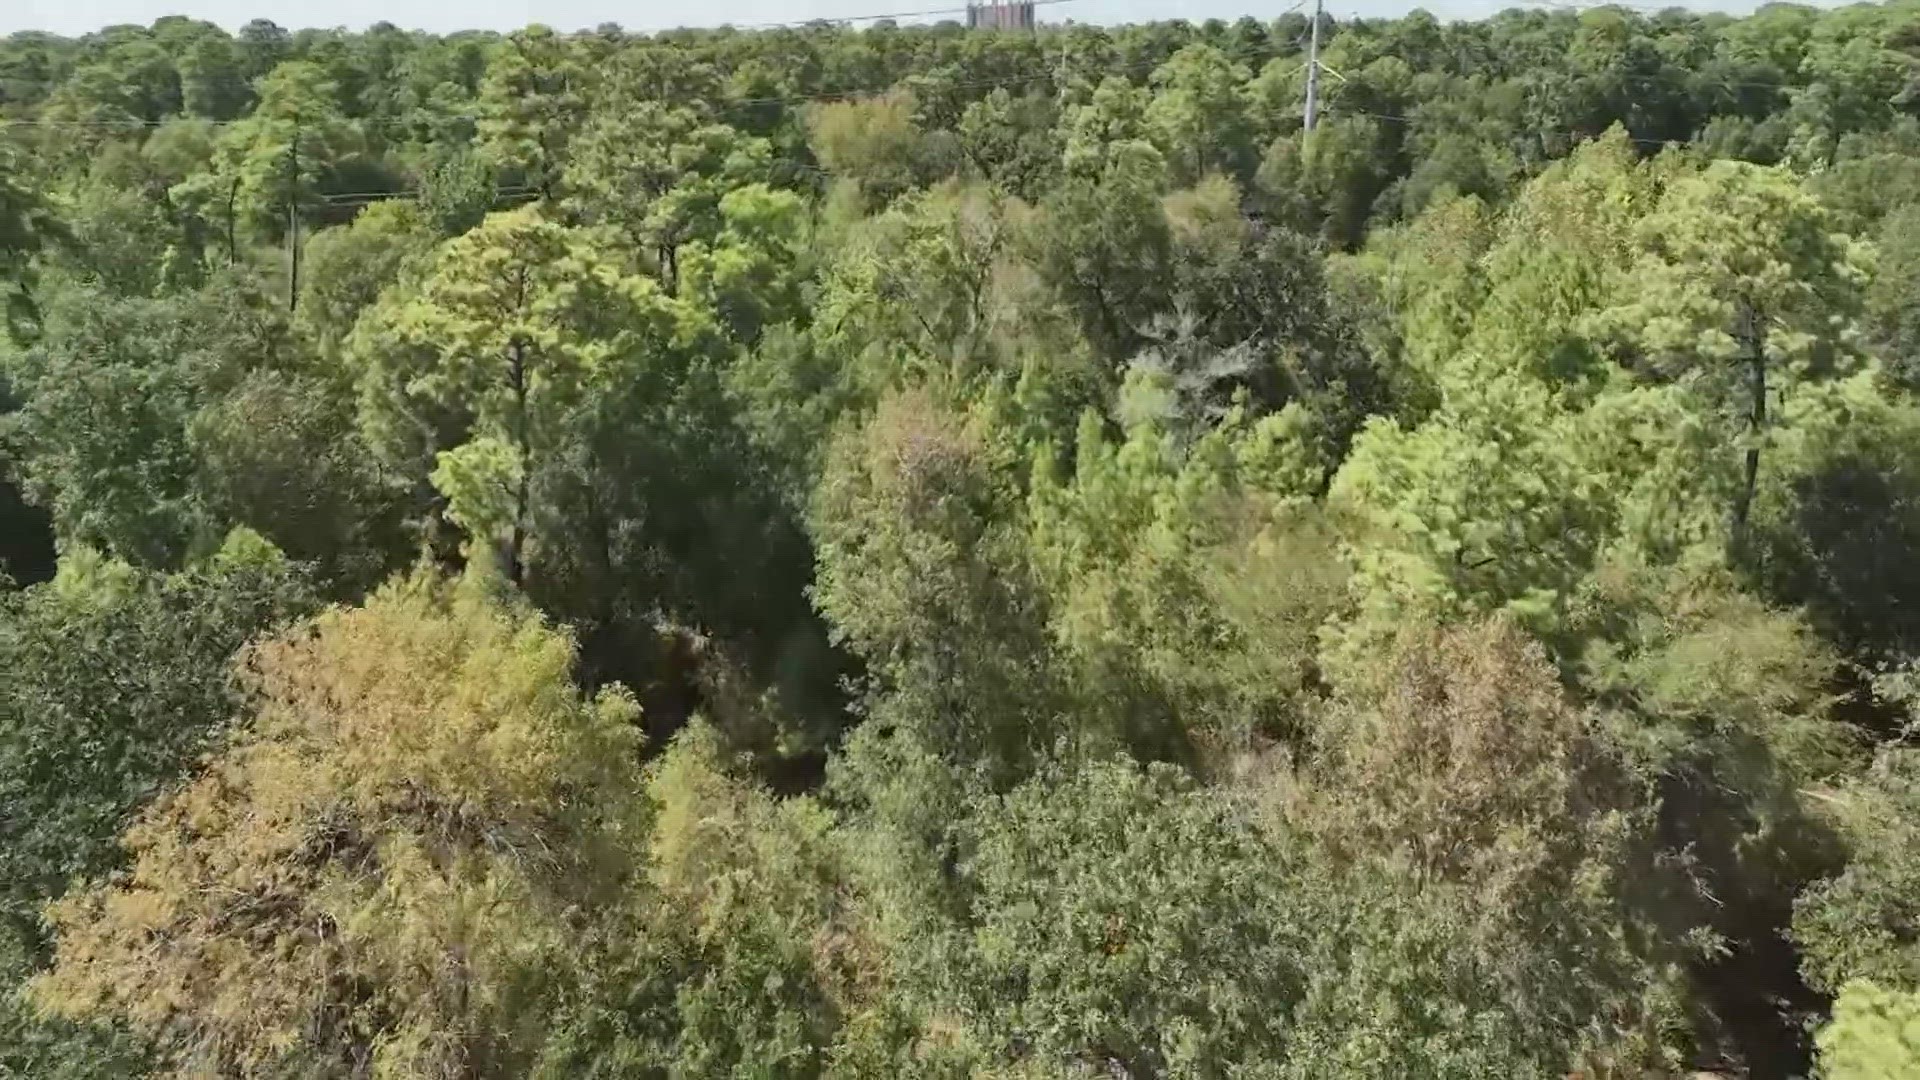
1739,279
875,144
738,956
657,174
110,389
1860,924
918,291
1839,537
1890,296
152,426
1470,774
558,407
1484,506
1177,964
922,575
1327,185
751,272
1197,116
529,103
116,685
480,375
1874,1034
280,453
344,270
1117,582
119,480
269,168
1012,139
1104,246
25,226
1188,598
119,238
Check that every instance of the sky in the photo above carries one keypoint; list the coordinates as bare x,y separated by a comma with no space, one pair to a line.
79,16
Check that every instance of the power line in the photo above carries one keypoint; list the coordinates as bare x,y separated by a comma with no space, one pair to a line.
367,198
348,196
1568,133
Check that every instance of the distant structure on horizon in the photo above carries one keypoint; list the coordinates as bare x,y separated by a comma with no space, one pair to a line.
1014,15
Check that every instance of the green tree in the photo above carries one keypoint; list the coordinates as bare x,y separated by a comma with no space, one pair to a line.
1874,1034
1739,285
121,239
117,686
874,143
1890,295
753,271
921,573
108,394
26,224
279,160
261,45
911,292
1109,118
476,378
1327,185
212,84
120,481
1247,310
1181,965
657,173
1836,529
1186,597
1011,139
1483,505
1102,244
280,452
1471,772
740,953
1859,925
530,102
344,269
1198,116
129,79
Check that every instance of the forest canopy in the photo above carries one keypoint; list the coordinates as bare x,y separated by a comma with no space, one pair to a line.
928,551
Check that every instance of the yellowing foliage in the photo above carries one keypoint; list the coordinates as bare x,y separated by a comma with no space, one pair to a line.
385,871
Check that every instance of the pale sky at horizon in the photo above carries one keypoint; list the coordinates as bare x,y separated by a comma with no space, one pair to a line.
74,17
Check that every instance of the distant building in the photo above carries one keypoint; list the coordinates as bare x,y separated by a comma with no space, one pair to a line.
1014,15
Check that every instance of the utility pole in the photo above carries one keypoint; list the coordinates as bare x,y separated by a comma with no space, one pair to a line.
1312,114
293,218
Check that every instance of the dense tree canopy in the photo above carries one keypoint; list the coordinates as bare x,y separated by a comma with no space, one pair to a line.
917,551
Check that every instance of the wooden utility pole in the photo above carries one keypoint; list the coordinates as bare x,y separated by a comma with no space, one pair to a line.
1312,114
